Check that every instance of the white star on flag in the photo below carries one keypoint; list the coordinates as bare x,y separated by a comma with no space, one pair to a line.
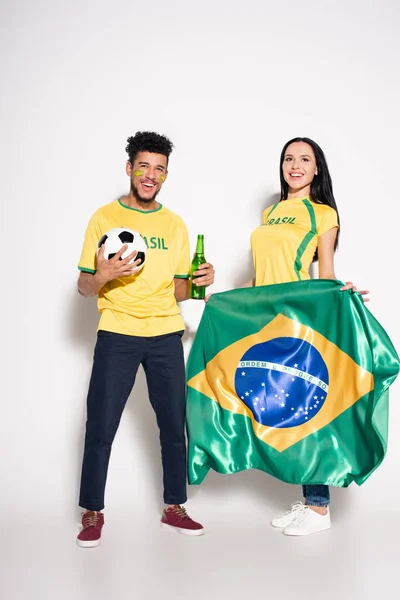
296,365
243,373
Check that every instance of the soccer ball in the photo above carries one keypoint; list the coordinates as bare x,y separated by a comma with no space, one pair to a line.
114,239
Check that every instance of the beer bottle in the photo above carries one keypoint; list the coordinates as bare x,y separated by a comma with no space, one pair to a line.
197,292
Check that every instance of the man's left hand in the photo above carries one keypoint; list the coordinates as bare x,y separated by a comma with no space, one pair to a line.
204,275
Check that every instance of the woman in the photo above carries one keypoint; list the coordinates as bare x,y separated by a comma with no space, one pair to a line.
299,229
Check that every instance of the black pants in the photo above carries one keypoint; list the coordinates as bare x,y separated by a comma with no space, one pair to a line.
116,361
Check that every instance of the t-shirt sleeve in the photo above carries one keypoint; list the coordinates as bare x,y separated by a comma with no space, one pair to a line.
328,220
182,269
87,261
268,211
264,216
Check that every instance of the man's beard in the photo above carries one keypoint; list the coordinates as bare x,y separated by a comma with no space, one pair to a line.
140,198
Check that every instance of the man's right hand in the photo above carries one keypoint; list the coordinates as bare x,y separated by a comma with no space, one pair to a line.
109,269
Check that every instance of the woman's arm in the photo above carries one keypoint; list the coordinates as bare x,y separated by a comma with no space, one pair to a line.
250,283
326,249
326,270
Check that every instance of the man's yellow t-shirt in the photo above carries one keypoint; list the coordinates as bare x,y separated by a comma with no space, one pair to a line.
143,304
284,245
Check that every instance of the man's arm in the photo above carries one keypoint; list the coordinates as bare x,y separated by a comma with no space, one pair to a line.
204,276
90,284
182,287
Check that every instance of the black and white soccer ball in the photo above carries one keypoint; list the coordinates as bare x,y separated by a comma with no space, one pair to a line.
114,239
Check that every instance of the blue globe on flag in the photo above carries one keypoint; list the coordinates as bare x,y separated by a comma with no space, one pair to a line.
284,382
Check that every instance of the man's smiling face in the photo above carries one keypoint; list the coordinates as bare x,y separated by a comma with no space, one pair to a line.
148,173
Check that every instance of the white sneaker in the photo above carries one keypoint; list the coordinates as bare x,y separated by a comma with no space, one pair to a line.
288,517
308,521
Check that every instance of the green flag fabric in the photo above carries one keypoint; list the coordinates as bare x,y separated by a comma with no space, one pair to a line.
291,379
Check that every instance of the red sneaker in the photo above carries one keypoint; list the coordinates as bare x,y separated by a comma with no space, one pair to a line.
177,519
92,524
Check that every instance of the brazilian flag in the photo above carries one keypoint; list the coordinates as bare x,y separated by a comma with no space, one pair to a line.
291,379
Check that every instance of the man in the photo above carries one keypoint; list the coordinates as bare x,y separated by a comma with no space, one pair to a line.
140,323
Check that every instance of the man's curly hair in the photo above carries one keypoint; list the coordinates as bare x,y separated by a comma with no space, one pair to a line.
148,141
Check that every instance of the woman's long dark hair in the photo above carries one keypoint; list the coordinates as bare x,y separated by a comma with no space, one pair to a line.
321,186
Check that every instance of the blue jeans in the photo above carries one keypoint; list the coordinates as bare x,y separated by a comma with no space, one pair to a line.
116,361
316,495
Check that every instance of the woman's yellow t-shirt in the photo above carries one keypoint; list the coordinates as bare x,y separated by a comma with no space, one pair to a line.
284,245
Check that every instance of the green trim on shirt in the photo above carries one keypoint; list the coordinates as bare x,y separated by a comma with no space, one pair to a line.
272,210
87,270
306,240
145,212
181,276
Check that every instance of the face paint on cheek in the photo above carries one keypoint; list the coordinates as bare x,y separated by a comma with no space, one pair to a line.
138,173
162,177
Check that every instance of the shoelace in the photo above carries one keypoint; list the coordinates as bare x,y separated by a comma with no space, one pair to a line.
181,512
301,514
296,507
90,520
